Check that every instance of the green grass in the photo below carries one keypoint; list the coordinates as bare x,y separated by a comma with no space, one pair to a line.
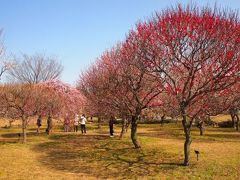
96,155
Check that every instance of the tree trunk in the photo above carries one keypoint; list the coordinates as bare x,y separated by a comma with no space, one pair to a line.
187,133
237,123
134,132
201,128
187,144
24,124
10,123
123,128
127,124
233,120
99,123
162,119
201,131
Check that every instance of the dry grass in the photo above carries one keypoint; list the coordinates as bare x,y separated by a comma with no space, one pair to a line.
96,155
221,118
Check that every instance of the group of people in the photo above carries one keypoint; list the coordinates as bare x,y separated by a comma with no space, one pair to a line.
49,124
67,124
77,121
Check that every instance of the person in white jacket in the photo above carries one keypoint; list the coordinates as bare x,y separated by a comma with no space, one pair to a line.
83,121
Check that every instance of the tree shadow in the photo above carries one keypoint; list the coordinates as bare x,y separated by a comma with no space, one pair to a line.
102,157
162,134
224,136
211,134
217,129
15,135
35,129
9,141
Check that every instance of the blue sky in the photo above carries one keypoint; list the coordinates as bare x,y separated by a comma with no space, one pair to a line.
76,31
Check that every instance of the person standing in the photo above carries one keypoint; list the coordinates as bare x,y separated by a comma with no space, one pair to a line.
39,123
76,123
83,121
111,122
66,123
49,124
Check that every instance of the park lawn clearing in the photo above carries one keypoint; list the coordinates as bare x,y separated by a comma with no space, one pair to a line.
221,118
96,155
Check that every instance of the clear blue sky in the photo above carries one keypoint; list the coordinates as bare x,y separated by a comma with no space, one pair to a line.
77,31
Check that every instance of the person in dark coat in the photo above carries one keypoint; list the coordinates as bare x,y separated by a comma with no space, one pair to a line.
111,122
39,123
49,124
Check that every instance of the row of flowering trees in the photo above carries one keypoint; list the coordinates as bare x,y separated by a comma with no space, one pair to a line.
183,59
51,98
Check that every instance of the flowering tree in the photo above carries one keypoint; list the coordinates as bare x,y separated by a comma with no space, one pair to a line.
19,101
142,86
121,84
63,99
226,101
195,52
232,101
166,104
52,98
100,87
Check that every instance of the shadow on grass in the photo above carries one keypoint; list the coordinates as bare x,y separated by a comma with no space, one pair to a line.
162,135
210,135
217,129
16,135
35,129
9,141
224,136
102,157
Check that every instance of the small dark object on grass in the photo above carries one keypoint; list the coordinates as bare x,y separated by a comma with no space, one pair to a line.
197,153
19,135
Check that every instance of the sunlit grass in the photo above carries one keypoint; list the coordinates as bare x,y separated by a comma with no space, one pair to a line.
221,118
96,155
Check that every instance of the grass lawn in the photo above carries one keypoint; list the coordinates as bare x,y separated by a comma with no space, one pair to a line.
96,155
221,118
